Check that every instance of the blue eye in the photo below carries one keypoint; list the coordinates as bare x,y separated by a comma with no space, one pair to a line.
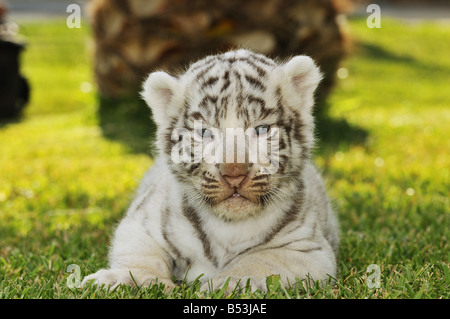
205,133
262,130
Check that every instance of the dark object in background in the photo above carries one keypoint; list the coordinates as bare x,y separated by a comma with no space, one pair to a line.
14,88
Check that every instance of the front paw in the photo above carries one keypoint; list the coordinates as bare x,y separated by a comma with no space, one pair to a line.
235,283
112,278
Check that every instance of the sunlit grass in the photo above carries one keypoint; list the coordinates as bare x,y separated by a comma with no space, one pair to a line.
68,170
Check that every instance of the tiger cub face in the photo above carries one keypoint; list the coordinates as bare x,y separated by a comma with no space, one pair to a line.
235,129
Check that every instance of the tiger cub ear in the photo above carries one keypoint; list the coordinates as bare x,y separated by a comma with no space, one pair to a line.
158,91
303,77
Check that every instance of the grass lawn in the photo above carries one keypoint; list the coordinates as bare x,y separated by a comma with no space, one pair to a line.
70,165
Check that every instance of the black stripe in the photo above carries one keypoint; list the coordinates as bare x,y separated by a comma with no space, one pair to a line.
280,105
165,232
239,93
209,186
196,116
192,168
255,83
289,216
142,202
308,250
209,82
238,79
223,107
209,180
282,245
257,100
208,198
204,71
282,144
295,128
203,63
298,127
204,102
299,135
261,72
259,184
283,158
191,214
263,111
263,60
298,250
187,122
226,84
257,178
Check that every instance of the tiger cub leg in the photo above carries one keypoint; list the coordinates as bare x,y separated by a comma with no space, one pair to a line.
291,265
134,258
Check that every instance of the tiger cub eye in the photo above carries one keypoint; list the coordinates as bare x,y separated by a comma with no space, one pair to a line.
205,133
262,130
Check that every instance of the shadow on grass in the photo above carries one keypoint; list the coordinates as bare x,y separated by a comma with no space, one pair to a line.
379,53
336,134
128,120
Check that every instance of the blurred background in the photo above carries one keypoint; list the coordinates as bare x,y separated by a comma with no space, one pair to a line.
75,138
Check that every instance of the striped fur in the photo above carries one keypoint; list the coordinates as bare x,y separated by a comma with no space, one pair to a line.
229,219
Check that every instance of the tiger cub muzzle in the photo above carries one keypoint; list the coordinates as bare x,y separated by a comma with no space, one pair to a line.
236,191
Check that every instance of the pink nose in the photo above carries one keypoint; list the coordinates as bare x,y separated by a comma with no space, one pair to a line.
234,181
234,173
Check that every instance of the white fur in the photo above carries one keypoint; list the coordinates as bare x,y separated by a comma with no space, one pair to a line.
304,247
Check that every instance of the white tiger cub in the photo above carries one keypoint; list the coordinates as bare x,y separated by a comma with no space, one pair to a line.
229,220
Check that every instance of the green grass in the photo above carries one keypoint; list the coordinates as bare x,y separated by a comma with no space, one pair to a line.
70,165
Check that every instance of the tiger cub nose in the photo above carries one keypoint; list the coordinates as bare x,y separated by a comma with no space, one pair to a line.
234,173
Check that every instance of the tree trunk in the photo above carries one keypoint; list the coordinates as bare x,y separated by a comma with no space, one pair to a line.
135,37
